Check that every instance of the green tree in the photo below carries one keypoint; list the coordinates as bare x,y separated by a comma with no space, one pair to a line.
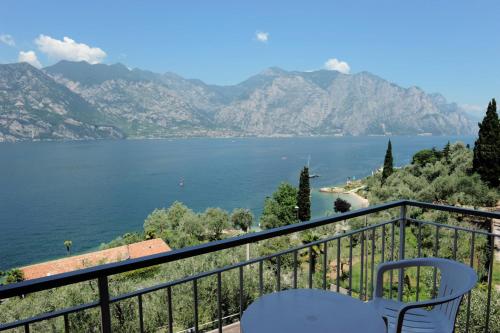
304,196
341,206
216,220
68,244
279,209
486,160
242,218
162,221
175,213
193,229
426,156
388,162
274,245
308,237
446,152
270,221
14,276
156,223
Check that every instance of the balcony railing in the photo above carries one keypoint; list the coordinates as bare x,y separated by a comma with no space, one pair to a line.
317,264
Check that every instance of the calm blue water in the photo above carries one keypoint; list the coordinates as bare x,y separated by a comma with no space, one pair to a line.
92,192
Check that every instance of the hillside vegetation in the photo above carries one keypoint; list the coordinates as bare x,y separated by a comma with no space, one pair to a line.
439,176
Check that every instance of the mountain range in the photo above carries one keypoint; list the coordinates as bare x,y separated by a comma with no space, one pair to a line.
79,101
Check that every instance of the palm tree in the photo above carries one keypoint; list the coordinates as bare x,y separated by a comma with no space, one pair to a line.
309,237
68,245
243,218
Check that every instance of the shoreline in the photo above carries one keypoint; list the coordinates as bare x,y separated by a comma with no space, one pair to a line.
363,202
242,136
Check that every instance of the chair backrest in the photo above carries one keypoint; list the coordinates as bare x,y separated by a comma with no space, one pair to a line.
456,279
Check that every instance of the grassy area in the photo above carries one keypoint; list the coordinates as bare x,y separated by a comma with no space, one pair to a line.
496,273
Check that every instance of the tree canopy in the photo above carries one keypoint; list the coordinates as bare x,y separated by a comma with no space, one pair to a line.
446,152
242,218
216,221
304,196
428,156
486,160
279,209
14,276
180,226
388,162
341,206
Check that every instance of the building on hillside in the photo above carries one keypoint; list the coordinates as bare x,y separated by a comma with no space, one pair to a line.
120,253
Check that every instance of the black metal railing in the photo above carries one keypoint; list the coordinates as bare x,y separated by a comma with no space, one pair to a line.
366,247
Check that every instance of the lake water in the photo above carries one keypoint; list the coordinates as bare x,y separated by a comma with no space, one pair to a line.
92,192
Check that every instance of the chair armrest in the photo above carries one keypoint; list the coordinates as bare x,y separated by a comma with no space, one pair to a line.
422,304
400,264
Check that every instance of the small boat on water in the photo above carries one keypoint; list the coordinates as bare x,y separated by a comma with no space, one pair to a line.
181,182
314,175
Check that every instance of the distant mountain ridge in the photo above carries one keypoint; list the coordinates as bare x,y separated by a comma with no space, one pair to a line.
112,101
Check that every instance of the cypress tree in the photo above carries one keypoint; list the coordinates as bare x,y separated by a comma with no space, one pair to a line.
303,196
388,167
486,160
446,152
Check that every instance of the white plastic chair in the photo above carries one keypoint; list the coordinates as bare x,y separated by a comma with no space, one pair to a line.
456,280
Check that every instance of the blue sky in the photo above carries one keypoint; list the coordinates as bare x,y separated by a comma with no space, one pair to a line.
451,47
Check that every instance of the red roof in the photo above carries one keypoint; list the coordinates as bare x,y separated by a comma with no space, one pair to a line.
131,251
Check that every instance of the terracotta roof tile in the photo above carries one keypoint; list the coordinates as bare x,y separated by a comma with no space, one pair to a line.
64,265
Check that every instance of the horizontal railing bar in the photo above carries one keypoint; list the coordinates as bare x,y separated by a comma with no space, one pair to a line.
91,273
453,209
198,276
480,232
49,315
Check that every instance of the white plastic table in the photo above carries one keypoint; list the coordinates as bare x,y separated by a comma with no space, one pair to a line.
310,311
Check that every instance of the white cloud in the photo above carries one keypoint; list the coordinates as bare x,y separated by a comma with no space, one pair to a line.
29,57
7,40
68,49
334,64
262,36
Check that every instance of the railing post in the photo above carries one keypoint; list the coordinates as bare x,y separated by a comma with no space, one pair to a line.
402,234
104,303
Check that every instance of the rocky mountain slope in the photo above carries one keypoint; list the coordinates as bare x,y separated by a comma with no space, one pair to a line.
141,103
274,102
328,102
35,107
